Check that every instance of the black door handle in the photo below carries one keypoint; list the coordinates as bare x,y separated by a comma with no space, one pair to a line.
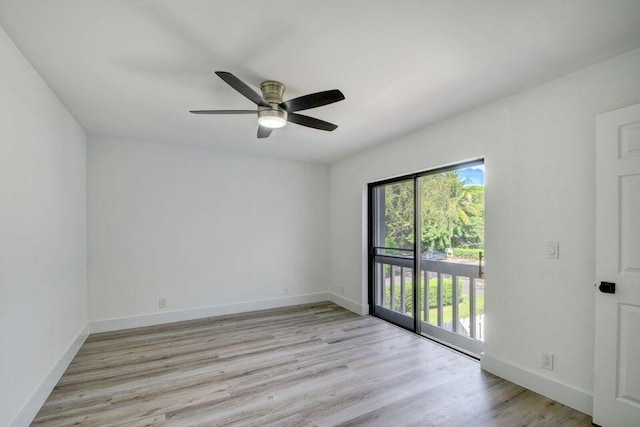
607,287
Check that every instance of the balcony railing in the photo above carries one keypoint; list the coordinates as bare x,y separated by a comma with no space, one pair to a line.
452,296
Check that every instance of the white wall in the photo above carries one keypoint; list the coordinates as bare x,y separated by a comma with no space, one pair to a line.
43,305
539,147
222,232
210,232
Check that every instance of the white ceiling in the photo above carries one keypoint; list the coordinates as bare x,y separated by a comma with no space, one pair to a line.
133,69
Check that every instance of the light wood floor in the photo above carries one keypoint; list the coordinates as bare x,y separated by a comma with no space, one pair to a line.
306,365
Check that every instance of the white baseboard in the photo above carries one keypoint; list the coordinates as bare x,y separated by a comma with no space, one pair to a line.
109,325
560,392
37,399
348,304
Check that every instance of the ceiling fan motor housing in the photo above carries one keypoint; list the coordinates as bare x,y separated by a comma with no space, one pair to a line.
275,116
272,91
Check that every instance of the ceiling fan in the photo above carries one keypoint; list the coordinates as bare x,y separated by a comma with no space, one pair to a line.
272,111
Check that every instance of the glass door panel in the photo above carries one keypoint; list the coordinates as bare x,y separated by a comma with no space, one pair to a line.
452,241
392,246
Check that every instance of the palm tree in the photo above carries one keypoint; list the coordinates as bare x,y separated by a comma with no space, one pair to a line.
469,210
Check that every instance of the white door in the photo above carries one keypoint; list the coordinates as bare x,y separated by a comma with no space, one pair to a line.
616,399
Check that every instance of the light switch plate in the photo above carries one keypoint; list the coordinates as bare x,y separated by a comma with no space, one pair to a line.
553,250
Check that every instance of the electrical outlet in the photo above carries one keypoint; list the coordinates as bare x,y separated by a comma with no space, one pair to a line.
553,250
286,291
547,361
162,303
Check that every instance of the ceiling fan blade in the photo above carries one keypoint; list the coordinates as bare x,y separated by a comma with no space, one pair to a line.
223,111
312,100
264,132
310,122
241,87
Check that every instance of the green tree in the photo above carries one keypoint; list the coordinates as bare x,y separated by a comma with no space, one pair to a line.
469,231
452,213
399,215
439,213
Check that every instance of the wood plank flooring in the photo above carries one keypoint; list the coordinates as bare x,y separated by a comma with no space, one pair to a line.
306,365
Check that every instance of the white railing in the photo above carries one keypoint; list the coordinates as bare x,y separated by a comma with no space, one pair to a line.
455,281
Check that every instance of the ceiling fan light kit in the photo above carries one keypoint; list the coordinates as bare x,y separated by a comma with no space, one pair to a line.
272,118
273,112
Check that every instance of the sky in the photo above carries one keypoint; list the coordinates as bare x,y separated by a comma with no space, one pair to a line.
473,175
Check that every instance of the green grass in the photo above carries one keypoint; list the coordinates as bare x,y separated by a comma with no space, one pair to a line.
447,293
447,309
463,310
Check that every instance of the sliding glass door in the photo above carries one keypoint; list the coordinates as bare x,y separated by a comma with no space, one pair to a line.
439,215
392,233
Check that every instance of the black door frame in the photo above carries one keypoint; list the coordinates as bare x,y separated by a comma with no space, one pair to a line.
381,312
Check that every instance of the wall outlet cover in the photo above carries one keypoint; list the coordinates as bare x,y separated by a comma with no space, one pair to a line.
547,361
553,250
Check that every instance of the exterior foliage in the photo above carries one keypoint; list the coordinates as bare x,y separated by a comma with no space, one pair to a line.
447,294
452,213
